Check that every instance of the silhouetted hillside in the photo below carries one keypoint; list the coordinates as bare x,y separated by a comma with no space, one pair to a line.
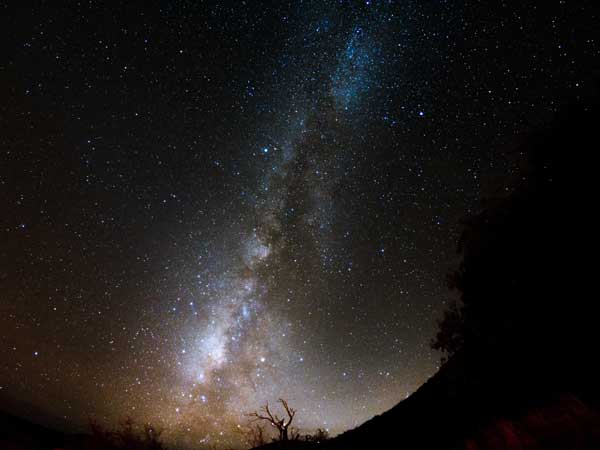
20,434
522,374
456,411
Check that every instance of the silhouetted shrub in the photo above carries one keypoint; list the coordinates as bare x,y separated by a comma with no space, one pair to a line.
128,436
318,436
524,279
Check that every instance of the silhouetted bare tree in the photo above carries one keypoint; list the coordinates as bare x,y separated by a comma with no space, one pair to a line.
280,424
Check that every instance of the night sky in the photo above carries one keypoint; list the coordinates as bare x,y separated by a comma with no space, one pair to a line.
210,205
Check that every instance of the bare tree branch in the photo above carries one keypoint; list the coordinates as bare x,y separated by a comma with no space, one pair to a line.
281,424
290,412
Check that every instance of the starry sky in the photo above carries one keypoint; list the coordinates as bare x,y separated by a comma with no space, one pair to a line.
209,205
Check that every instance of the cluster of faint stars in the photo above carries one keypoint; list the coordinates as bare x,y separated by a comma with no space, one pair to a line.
210,207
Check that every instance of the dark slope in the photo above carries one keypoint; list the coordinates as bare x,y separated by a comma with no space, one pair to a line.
525,377
427,417
20,434
456,410
32,413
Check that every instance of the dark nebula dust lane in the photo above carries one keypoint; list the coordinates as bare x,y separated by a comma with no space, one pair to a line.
211,205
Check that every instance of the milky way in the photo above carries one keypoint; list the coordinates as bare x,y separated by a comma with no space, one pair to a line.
240,352
212,205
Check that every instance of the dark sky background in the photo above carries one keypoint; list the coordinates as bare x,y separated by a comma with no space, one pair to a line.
208,205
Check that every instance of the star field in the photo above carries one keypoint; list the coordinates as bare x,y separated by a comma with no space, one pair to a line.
210,205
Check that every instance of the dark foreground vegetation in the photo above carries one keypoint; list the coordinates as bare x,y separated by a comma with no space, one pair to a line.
521,346
521,370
